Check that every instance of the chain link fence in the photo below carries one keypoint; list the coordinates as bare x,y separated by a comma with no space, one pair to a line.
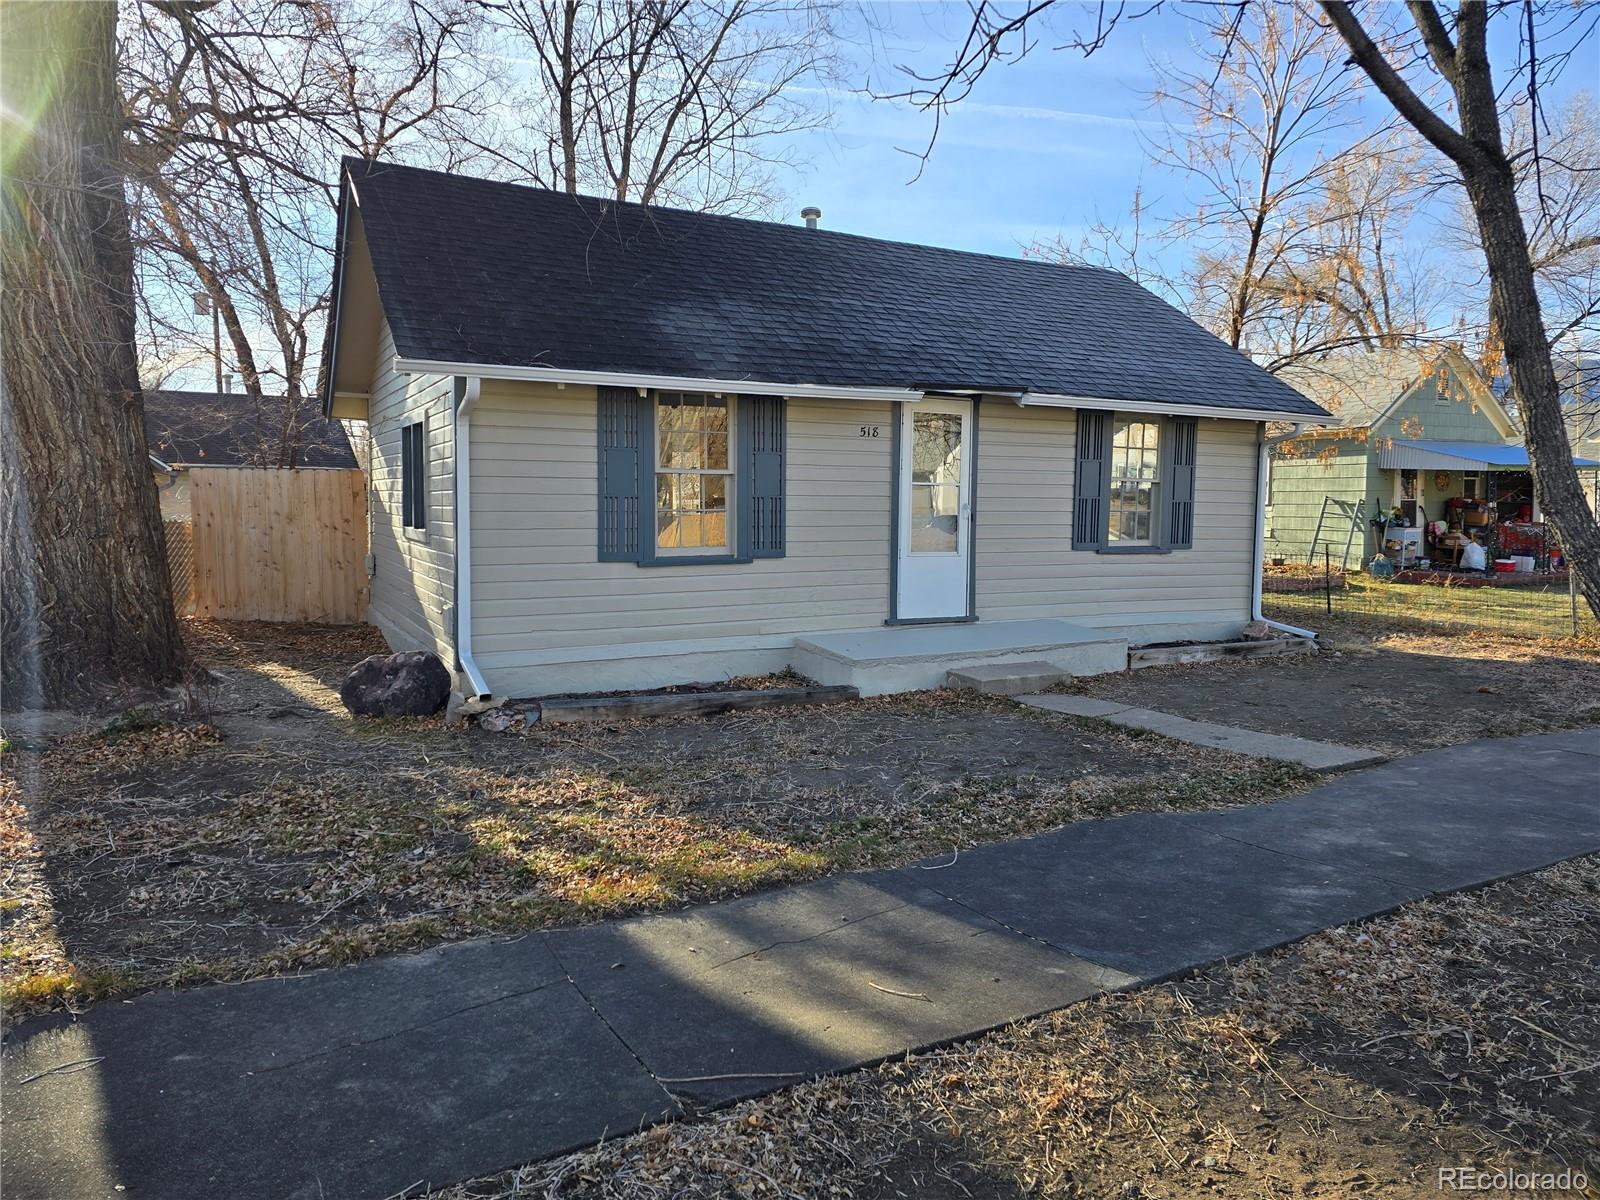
1543,606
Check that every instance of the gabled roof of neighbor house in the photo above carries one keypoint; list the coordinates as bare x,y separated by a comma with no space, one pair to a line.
1358,386
472,272
1362,387
232,429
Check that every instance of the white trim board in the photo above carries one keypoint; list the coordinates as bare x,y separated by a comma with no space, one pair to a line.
756,387
1104,404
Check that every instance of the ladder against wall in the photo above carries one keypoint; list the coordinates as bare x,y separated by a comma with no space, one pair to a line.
1337,526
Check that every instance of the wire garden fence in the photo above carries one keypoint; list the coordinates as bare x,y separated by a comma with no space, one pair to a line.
1546,607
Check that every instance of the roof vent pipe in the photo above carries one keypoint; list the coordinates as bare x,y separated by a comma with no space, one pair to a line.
811,215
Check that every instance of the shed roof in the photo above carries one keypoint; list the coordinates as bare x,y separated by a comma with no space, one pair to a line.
1420,455
471,271
233,429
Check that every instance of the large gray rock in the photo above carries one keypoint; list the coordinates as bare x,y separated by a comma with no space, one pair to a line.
413,683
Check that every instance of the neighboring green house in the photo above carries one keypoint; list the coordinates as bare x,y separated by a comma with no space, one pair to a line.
1417,428
1579,381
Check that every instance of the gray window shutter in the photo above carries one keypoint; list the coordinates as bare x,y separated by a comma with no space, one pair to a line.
1182,439
419,476
407,471
413,477
1091,494
625,435
762,441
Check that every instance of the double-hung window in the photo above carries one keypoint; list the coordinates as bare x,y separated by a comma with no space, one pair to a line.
694,475
1135,514
1134,487
689,478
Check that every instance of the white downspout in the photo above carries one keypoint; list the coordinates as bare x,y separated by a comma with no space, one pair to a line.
1263,449
463,543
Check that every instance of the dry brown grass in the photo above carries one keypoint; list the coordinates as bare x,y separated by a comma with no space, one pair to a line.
1394,692
283,836
1539,614
1462,1031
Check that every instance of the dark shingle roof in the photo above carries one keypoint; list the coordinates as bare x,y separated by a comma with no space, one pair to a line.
475,271
231,429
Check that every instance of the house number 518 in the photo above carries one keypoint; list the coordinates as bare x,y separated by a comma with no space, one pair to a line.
869,431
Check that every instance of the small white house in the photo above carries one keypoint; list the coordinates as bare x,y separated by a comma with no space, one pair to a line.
618,446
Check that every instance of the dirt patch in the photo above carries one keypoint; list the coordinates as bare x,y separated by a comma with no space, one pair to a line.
1462,1032
281,834
1394,693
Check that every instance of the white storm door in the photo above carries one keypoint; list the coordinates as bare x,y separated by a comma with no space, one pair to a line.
935,534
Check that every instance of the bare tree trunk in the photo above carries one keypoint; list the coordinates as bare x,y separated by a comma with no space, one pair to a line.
1514,306
1478,151
86,604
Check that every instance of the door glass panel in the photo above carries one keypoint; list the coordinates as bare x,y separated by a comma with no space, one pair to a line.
935,518
934,507
935,448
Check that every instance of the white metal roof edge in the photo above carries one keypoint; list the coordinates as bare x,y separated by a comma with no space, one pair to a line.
418,366
1220,412
422,366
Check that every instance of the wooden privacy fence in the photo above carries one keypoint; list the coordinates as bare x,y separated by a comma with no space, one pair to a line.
274,544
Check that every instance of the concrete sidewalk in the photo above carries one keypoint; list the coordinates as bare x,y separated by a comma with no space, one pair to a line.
1322,757
420,1070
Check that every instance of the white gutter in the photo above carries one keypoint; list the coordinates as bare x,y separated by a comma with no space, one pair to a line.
1041,400
756,387
463,540
428,366
1264,448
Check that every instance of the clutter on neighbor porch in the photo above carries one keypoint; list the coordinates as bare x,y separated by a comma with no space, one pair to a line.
1494,521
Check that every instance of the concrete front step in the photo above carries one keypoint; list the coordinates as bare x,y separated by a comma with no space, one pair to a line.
1007,679
908,658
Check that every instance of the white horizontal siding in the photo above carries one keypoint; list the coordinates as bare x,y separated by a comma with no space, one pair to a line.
539,590
1026,567
537,585
414,582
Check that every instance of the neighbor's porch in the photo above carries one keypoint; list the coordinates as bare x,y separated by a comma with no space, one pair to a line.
1440,498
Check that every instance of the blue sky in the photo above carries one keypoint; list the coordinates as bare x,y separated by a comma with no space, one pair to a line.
1044,146
1040,146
